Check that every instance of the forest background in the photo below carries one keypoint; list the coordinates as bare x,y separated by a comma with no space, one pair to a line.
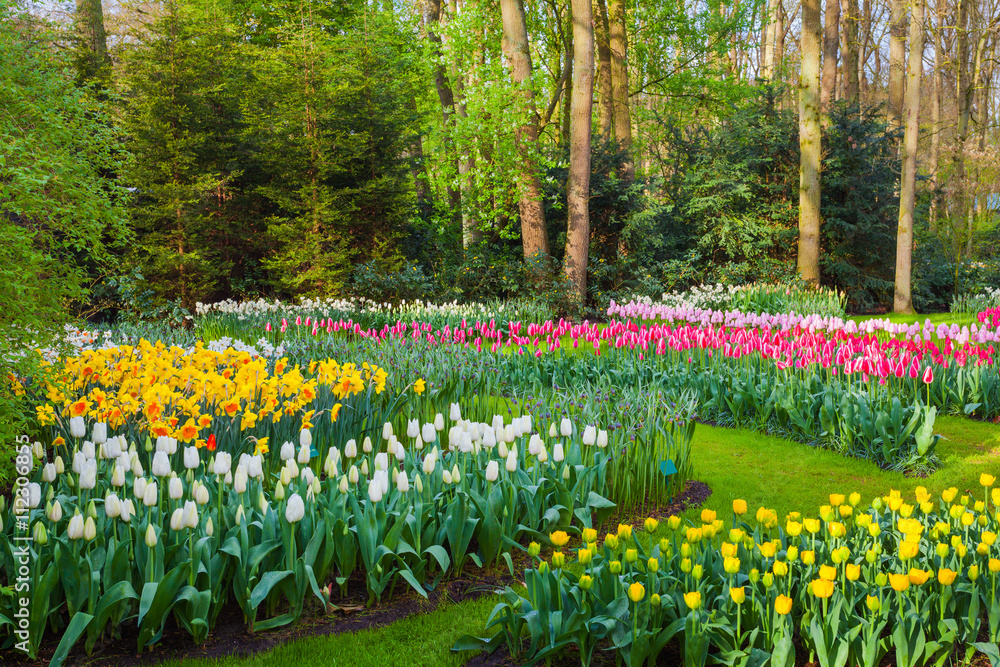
160,154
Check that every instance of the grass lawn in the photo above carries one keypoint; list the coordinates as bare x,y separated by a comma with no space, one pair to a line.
736,463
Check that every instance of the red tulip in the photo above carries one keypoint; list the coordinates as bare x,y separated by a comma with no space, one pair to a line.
928,375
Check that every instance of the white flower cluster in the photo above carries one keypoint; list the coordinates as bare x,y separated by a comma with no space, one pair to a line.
325,307
262,348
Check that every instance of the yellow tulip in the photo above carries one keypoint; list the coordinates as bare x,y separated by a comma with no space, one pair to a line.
853,571
994,566
808,557
692,600
589,535
586,582
631,555
738,594
946,577
624,531
793,528
837,499
558,560
908,550
987,479
652,565
899,582
780,568
728,549
731,565
559,538
783,605
739,507
651,525
873,603
827,572
708,516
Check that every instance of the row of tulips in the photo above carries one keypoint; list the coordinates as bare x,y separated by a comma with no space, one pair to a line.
918,577
126,536
875,399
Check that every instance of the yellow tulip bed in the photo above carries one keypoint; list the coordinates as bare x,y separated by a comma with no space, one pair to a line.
913,576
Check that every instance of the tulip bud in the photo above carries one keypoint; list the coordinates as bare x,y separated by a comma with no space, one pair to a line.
177,519
492,471
210,527
305,452
175,488
39,534
150,536
150,495
350,449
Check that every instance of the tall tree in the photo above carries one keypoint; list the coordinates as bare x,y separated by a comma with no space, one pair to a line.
619,79
515,46
446,95
936,101
578,190
897,55
903,299
849,23
810,148
831,42
770,39
92,56
602,37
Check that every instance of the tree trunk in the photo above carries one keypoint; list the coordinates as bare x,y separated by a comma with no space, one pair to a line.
850,30
903,299
602,38
619,80
769,40
578,191
93,39
831,42
564,114
809,144
897,54
515,46
936,111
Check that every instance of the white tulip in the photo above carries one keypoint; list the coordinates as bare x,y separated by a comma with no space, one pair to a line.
512,461
305,453
112,506
287,451
381,461
350,449
502,450
602,438
552,430
543,455
177,519
139,487
454,412
261,503
77,428
535,444
566,427
88,478
240,481
438,422
60,466
161,464
455,436
223,461
367,445
589,435
279,492
418,482
240,514
149,497
386,430
402,482
364,467
489,438
428,432
175,488
316,486
38,450
565,473
492,471
74,530
100,433
54,512
465,443
88,449
118,476
412,428
428,464
343,484
557,452
79,458
150,536
112,448
418,443
307,475
374,491
190,514
128,510
305,438
191,458
446,477
353,475
49,472
136,465
255,467
201,495
210,527
509,434
89,529
497,422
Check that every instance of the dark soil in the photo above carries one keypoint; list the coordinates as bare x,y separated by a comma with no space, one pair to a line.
695,493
